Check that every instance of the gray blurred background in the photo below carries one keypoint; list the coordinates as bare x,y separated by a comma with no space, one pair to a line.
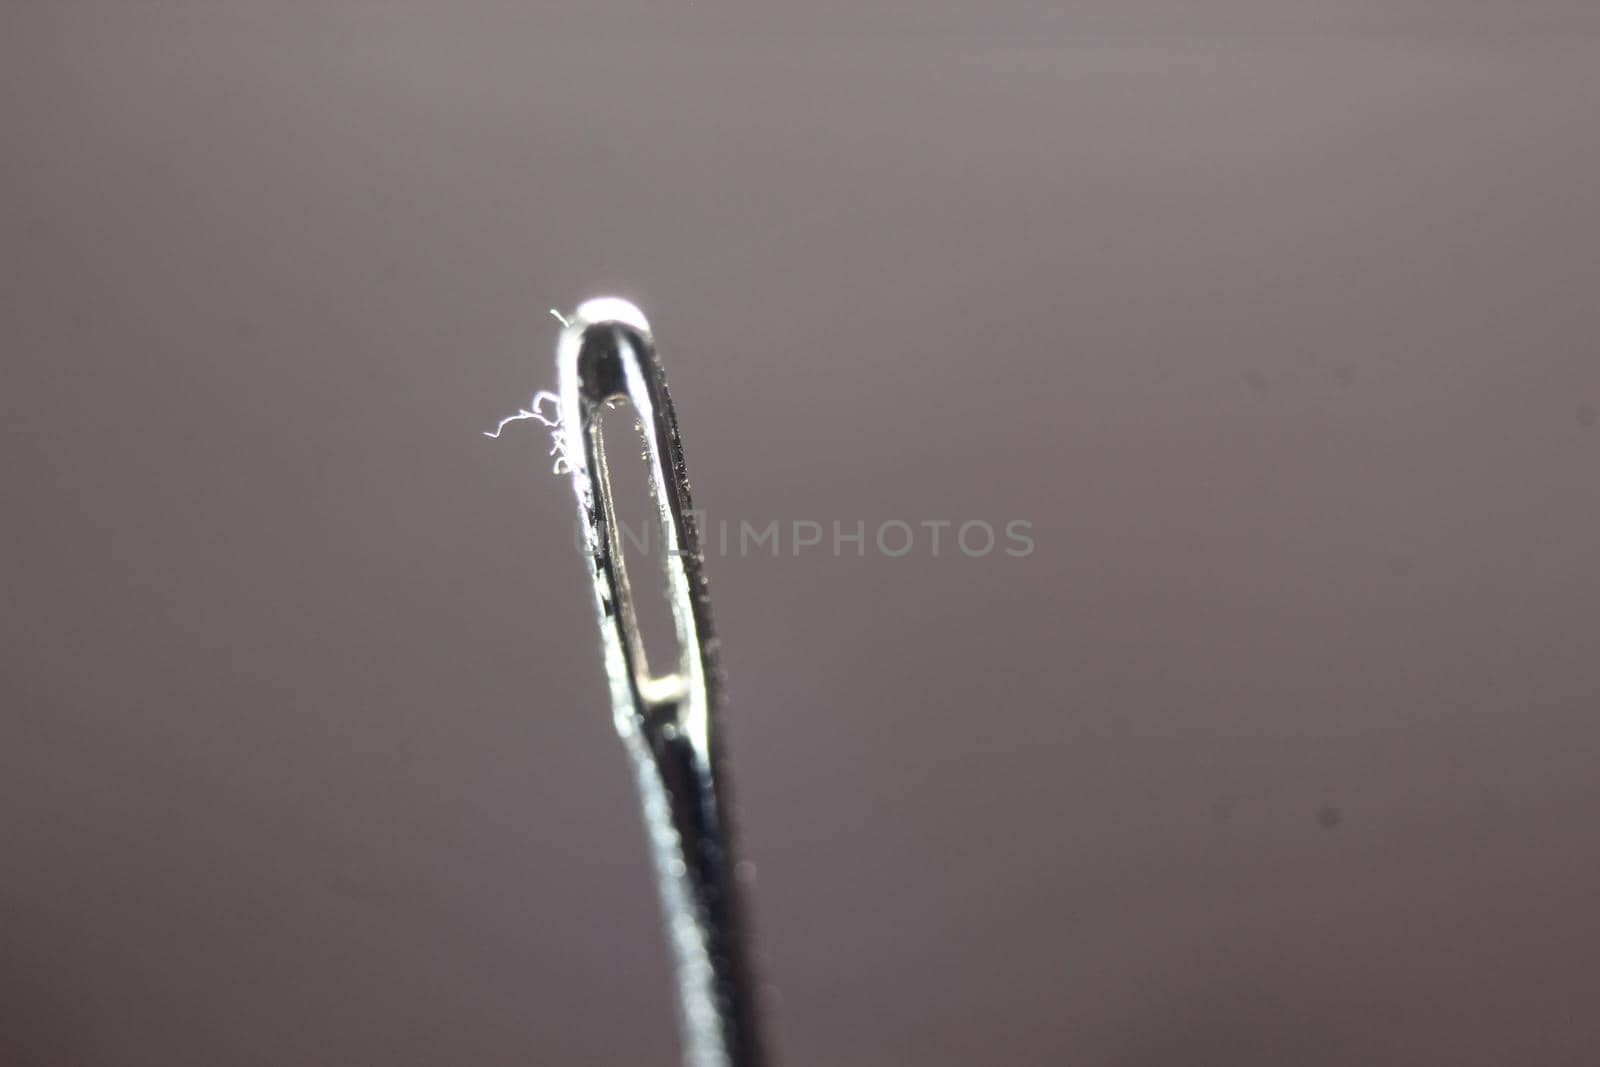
1278,322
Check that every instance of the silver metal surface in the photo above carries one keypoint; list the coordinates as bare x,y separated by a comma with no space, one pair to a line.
667,720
